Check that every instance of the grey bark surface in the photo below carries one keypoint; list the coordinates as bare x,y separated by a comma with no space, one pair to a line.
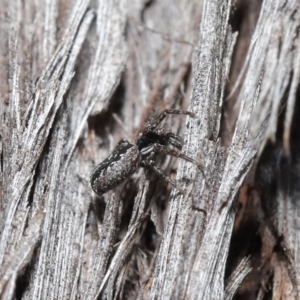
77,76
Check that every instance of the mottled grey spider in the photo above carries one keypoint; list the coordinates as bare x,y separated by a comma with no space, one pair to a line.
126,157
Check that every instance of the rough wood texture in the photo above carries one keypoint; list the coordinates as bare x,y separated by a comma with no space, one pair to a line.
76,76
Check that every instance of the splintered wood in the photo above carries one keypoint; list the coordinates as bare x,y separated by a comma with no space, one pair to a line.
78,76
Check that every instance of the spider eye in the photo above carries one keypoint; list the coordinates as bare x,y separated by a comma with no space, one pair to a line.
146,150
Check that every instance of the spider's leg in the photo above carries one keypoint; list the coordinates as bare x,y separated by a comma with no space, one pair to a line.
151,164
174,140
162,116
175,152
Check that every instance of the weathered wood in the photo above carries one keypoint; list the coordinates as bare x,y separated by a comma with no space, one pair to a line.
76,76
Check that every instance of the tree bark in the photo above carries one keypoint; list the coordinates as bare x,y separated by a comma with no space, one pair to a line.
77,76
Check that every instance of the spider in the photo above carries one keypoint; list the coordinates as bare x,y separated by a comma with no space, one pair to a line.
127,157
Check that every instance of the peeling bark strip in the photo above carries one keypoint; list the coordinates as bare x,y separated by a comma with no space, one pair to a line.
77,76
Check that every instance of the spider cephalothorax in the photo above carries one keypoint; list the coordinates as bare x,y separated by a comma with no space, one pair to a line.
127,157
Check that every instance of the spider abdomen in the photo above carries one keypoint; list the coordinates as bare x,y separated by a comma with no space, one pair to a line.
124,161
